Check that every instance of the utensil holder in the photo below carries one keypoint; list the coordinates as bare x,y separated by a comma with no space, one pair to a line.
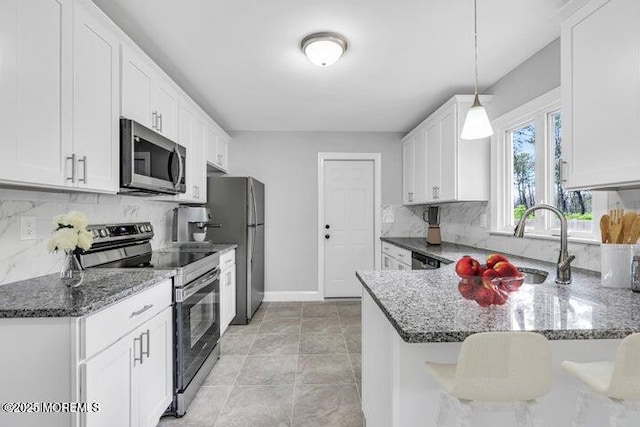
615,265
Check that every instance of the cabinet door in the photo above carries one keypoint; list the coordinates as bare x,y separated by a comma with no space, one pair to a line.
601,94
108,381
448,159
35,61
223,153
95,99
187,125
154,376
165,105
232,294
434,142
408,155
227,297
420,168
387,262
210,145
198,163
137,85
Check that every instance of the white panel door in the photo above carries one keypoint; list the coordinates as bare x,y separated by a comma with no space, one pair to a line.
448,162
165,104
95,94
35,38
348,213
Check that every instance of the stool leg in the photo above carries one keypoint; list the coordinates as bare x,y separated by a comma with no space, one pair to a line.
580,416
443,412
618,416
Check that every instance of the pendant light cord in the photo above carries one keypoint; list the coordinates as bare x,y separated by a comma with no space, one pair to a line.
475,41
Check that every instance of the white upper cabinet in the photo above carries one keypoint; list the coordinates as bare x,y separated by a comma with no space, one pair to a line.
601,95
217,147
148,97
95,100
192,137
438,166
35,61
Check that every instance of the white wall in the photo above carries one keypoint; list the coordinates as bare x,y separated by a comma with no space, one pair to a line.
287,164
22,259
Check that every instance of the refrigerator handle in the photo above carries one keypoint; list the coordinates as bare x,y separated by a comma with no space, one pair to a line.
253,201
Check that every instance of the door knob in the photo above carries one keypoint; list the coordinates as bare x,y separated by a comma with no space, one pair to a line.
327,226
326,236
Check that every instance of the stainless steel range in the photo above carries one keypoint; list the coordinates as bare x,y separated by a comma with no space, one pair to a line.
196,297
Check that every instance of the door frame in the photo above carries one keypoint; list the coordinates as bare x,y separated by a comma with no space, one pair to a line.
377,206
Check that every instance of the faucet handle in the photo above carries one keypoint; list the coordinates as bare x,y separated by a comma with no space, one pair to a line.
567,262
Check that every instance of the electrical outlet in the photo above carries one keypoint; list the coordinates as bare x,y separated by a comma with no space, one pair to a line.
27,228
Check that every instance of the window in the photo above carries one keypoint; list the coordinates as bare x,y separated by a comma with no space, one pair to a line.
528,171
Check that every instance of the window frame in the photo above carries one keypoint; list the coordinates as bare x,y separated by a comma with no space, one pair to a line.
537,111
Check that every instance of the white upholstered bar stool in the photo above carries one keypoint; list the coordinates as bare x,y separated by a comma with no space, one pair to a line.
495,371
615,384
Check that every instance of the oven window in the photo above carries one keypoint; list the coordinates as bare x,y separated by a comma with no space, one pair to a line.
201,318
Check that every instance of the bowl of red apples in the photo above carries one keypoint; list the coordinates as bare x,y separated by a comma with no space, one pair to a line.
490,283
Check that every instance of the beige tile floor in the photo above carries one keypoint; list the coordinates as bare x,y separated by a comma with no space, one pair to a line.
295,365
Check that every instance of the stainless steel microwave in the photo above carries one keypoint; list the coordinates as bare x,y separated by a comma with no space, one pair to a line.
149,162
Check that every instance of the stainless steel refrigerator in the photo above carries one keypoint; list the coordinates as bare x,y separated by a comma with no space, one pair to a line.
238,204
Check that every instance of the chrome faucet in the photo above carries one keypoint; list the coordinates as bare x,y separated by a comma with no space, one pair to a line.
563,268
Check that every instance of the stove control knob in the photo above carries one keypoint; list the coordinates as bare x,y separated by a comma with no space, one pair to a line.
103,233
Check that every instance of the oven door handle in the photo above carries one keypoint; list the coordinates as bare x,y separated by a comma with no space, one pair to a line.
194,287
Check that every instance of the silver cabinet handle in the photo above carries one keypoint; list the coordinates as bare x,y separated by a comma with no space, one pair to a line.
84,169
154,120
73,168
142,352
386,262
410,196
160,120
136,358
142,310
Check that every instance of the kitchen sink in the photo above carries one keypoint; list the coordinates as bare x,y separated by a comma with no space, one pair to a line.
533,276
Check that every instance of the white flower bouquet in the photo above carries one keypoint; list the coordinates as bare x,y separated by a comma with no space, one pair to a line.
70,234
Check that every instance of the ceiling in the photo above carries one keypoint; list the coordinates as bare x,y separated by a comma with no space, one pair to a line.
241,60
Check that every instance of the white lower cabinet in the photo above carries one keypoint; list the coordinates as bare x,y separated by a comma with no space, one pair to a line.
132,379
227,289
395,258
118,361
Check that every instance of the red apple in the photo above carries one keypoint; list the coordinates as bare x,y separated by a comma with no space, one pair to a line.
467,266
467,289
481,270
484,296
499,297
506,269
493,259
489,276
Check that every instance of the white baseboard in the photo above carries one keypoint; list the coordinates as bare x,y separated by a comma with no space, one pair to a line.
292,296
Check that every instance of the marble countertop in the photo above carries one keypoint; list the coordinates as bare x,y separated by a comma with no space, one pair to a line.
220,248
425,305
46,296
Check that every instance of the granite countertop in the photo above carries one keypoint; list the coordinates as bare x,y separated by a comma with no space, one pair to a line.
46,296
425,305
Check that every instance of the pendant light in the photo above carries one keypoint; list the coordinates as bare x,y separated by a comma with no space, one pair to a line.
477,124
324,49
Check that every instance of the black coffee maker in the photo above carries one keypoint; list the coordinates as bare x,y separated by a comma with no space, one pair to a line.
432,216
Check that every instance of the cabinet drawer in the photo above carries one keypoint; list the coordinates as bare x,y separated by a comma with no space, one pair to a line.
227,259
387,248
115,321
401,255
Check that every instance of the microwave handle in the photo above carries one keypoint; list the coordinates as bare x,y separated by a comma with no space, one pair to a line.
176,184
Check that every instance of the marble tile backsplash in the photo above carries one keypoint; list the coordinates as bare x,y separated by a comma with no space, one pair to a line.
23,259
460,223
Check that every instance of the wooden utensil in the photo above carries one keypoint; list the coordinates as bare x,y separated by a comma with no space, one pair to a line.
627,221
604,228
615,225
634,234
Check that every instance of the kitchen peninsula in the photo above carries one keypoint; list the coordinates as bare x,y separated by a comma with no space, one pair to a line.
409,317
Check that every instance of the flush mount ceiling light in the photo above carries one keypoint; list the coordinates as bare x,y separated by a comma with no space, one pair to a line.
324,49
477,124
